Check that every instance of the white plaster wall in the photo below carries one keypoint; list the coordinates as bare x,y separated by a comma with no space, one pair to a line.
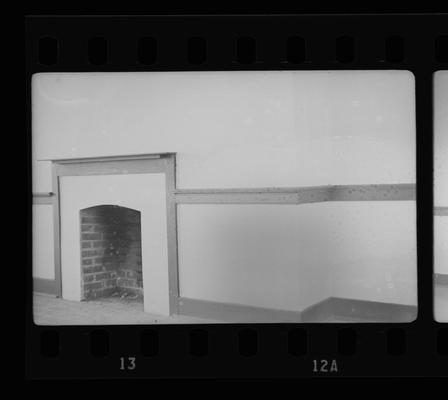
271,256
43,241
441,245
376,257
143,192
290,257
441,138
234,129
249,129
441,170
441,190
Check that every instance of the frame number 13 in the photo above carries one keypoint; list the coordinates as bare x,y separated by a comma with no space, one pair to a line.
127,363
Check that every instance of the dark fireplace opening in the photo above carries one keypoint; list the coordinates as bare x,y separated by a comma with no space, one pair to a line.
111,253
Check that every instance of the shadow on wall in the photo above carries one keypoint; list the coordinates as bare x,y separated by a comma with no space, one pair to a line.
278,256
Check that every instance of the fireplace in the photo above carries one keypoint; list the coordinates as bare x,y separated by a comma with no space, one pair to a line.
116,237
111,253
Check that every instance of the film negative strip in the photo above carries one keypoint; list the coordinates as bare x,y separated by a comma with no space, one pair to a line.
237,196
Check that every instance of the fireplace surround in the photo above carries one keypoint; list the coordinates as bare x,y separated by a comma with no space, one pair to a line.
115,230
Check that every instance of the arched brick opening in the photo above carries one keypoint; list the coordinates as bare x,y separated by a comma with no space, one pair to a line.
111,256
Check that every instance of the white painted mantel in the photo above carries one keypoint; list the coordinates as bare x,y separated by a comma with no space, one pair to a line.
142,192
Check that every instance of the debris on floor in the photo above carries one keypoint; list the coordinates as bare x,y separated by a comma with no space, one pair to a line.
49,310
127,295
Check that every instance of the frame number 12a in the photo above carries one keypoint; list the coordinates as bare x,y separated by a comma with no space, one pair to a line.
325,366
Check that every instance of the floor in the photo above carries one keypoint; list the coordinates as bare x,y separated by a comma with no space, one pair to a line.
49,310
441,303
335,319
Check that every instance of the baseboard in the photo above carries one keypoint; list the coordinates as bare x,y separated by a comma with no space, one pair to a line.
441,279
319,311
333,307
359,311
234,313
47,286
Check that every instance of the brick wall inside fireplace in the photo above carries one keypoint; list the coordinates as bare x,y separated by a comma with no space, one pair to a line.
111,258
